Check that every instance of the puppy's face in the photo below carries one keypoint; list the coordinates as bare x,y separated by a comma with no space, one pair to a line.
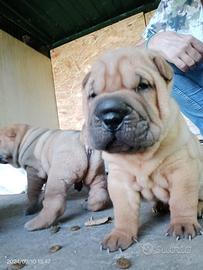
126,100
7,142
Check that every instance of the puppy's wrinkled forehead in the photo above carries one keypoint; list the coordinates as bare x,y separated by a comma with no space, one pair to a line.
115,71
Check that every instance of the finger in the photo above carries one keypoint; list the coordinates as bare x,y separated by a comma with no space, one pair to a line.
187,59
180,64
198,45
194,54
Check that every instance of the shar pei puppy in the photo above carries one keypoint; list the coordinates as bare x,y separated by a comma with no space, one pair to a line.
57,158
132,118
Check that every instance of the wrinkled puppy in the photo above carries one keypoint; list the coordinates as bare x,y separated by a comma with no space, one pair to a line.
149,149
57,158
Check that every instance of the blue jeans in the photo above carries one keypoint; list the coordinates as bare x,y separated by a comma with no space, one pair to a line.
188,93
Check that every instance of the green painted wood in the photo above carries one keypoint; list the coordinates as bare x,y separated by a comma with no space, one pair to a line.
45,24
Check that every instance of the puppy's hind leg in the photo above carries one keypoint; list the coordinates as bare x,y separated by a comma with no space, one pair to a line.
98,195
34,190
53,205
96,180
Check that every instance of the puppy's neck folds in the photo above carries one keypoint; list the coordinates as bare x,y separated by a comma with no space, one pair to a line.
148,161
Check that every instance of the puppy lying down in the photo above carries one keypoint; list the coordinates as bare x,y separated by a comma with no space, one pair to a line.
131,116
57,158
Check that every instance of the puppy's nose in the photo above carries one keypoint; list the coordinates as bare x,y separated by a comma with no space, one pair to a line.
112,120
112,112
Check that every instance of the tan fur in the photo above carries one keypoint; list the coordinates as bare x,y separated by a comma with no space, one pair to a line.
57,158
170,170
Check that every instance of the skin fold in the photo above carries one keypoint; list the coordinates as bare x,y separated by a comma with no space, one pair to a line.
149,149
58,159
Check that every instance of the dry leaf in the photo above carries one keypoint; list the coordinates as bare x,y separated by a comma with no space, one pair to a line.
55,248
75,228
96,222
18,265
123,263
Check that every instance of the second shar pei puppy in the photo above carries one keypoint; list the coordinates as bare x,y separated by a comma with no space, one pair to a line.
57,158
150,151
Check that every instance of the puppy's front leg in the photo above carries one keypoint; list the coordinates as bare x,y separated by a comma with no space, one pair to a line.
53,205
183,202
126,202
34,189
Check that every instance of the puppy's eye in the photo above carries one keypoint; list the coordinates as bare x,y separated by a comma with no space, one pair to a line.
92,95
143,86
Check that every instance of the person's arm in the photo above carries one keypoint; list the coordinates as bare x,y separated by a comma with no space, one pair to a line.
184,51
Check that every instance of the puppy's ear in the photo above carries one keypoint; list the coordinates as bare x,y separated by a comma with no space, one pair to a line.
163,67
85,80
11,133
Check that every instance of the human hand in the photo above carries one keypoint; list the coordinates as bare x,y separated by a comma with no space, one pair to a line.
184,51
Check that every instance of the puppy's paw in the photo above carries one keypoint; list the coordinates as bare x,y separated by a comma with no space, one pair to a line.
200,209
98,202
118,239
188,230
36,223
96,206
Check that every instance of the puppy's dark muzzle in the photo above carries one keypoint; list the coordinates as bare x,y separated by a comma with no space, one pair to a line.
111,112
